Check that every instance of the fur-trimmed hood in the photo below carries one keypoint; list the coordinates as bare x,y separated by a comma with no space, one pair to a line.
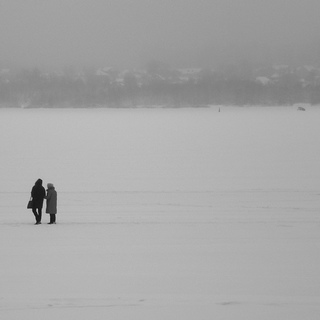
50,186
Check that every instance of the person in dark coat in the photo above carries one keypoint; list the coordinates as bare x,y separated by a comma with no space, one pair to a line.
51,203
38,194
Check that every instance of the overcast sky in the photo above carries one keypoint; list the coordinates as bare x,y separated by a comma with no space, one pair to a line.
129,33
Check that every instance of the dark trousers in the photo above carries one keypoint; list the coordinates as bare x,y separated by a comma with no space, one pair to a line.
52,218
37,214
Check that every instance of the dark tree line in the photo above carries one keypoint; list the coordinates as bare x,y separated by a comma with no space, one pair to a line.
31,88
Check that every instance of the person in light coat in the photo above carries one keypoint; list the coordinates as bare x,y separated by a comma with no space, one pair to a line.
51,198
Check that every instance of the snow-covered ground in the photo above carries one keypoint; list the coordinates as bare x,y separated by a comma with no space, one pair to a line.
163,214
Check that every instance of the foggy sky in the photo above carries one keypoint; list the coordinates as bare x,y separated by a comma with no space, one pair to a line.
129,33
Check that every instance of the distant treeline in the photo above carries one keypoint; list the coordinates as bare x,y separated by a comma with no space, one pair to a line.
32,88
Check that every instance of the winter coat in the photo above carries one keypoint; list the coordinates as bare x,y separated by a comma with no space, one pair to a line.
38,194
51,200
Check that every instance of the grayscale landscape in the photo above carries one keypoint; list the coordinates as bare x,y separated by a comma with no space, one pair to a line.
182,138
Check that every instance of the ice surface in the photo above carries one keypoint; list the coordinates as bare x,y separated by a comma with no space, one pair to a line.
162,214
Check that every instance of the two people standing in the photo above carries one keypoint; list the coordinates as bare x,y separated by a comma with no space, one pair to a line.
38,194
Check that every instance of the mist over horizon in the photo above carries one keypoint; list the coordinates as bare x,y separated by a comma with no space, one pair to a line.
180,33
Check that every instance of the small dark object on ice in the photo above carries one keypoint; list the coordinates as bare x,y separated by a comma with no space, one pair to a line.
301,109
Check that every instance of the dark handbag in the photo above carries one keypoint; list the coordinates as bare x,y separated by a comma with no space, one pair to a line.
30,204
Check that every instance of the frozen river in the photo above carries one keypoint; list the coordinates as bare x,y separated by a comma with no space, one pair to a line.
162,214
